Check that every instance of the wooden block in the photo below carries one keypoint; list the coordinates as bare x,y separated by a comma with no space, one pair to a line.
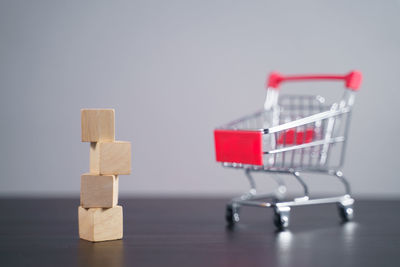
98,125
110,158
98,224
99,191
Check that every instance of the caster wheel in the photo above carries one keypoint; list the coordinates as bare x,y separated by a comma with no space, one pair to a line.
346,212
232,214
281,217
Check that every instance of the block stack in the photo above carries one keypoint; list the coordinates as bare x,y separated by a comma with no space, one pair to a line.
100,217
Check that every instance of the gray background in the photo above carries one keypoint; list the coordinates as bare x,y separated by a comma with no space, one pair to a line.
173,70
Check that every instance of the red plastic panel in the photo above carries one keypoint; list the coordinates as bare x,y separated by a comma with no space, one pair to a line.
288,137
299,138
238,146
309,135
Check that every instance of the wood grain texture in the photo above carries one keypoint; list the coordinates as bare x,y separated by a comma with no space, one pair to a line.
192,232
99,191
98,224
98,125
110,158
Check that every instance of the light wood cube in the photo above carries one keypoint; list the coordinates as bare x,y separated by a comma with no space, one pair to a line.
98,125
98,224
99,191
110,158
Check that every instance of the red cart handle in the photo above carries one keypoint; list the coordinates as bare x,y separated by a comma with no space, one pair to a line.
352,79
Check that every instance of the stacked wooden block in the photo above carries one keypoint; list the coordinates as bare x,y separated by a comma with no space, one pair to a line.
100,218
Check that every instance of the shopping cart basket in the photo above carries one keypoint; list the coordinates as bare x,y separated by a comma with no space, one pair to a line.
292,134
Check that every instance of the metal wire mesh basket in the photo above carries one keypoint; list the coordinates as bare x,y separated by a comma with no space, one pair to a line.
292,134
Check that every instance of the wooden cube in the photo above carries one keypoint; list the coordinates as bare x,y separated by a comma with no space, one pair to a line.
110,158
98,125
99,224
99,191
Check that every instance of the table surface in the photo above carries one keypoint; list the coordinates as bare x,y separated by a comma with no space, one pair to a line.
192,232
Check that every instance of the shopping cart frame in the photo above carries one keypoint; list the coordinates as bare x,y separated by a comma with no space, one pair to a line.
251,164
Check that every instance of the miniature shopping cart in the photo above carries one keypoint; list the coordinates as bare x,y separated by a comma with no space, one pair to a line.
293,134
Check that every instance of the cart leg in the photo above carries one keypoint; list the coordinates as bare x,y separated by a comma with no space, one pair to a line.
232,213
346,211
303,184
281,217
280,192
253,189
344,181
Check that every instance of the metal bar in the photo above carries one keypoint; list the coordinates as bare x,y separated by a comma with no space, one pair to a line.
292,118
253,190
302,183
315,201
344,181
255,203
346,132
306,120
297,202
316,143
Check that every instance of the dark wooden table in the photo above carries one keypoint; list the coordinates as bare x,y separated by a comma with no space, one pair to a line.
192,232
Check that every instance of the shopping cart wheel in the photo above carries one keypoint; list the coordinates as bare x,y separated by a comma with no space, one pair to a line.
232,213
281,217
346,211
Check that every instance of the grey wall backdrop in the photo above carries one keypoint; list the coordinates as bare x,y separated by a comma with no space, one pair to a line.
173,70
